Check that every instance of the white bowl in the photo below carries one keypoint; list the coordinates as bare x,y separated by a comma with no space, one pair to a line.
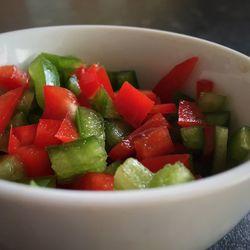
189,216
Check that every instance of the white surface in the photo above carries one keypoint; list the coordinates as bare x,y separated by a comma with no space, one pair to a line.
190,216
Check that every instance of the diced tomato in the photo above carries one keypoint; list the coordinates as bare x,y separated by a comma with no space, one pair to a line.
209,134
11,77
25,134
151,95
179,148
126,147
82,100
67,131
92,78
174,80
154,164
154,142
95,181
204,85
132,104
8,104
58,103
189,114
36,161
14,143
46,131
167,108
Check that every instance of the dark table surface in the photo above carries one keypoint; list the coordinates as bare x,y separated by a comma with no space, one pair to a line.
223,21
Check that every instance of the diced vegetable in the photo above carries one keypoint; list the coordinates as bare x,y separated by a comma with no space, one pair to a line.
239,144
175,80
220,149
111,169
132,104
189,114
179,96
167,108
218,118
73,85
77,157
132,175
26,102
45,181
171,175
95,182
90,123
11,168
204,85
46,131
154,164
8,104
159,138
18,119
25,134
193,137
211,102
43,72
116,131
11,77
103,104
4,140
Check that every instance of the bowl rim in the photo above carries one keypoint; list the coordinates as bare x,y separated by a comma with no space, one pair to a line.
196,189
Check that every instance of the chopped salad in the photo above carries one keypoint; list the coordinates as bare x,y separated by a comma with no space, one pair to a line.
66,124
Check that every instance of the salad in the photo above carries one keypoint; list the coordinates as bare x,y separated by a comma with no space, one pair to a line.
65,124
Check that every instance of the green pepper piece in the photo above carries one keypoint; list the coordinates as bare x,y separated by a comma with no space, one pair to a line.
103,104
26,102
111,168
90,123
73,85
218,118
45,181
43,72
211,102
193,137
116,131
132,175
11,168
19,119
239,144
64,64
172,174
4,140
220,149
77,157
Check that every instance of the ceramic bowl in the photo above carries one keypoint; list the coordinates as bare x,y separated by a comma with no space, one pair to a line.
189,216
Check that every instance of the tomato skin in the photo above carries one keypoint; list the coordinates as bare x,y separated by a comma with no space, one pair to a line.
126,147
8,104
25,134
46,131
189,114
11,77
174,80
36,161
166,108
154,164
58,103
95,182
133,105
154,142
204,85
67,131
151,95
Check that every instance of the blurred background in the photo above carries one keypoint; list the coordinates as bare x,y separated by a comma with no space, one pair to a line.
223,21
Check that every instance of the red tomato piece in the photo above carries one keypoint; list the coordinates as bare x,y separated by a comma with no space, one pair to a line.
92,78
14,143
153,142
95,181
132,104
204,85
36,161
83,101
126,148
167,108
67,131
8,104
154,164
189,114
25,134
46,131
58,103
174,80
11,77
151,95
